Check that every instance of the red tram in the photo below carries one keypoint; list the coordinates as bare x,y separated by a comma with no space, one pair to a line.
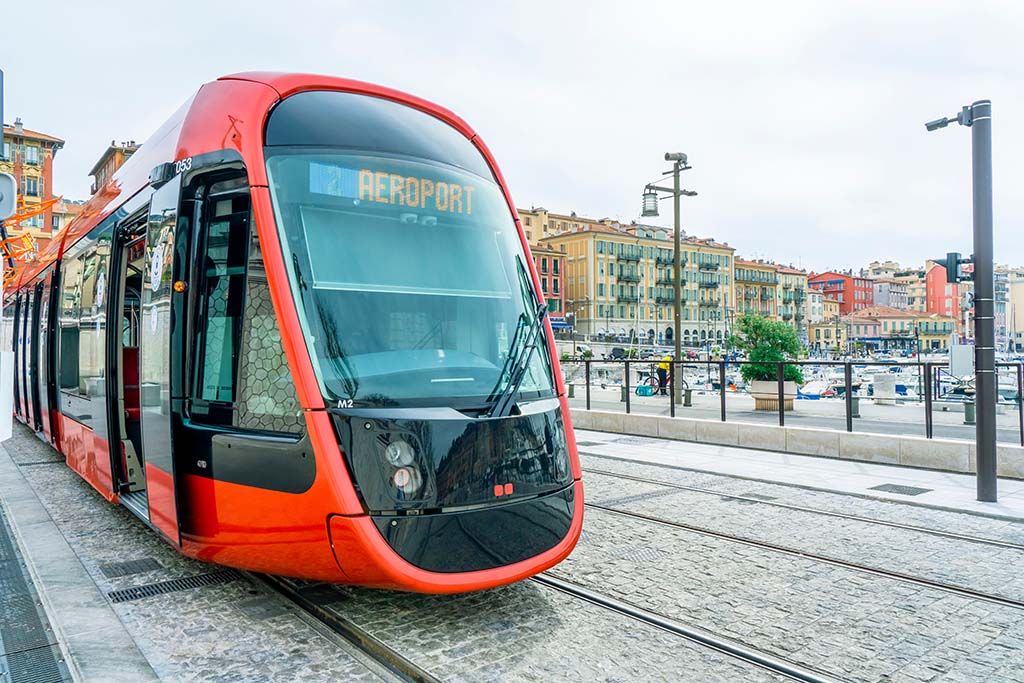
299,333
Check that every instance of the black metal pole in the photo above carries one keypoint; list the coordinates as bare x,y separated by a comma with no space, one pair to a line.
848,394
672,388
780,374
928,400
1020,402
626,379
721,382
984,306
677,280
586,367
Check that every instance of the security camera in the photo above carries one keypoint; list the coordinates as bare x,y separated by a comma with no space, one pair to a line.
937,123
675,156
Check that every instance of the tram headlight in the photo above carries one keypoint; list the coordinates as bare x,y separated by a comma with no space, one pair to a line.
399,453
407,480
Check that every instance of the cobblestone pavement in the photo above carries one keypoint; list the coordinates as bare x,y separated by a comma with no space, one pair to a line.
985,568
859,627
237,631
604,458
530,633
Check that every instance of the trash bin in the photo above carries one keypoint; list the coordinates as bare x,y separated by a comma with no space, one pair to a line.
687,397
572,390
855,406
969,413
622,394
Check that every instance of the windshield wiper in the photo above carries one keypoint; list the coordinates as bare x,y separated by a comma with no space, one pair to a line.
524,343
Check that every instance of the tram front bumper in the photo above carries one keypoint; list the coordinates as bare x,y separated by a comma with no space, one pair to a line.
459,551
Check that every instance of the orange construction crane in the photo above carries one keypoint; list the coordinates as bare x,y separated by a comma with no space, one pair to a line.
16,251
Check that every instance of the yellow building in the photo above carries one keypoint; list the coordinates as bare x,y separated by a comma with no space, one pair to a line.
827,336
539,223
830,333
28,156
619,283
791,295
756,285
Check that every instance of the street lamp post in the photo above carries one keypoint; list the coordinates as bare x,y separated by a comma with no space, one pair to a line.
650,208
978,117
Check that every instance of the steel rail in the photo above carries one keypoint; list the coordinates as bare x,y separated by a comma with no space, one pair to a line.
828,513
694,634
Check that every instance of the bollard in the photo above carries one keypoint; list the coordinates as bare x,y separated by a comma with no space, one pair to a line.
622,394
855,406
970,412
687,398
572,391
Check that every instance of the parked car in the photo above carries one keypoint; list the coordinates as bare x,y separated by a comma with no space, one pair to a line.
583,349
616,353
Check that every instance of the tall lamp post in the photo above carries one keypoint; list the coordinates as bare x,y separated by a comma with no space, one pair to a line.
650,209
978,117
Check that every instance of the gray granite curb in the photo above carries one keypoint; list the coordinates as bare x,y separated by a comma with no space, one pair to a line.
95,643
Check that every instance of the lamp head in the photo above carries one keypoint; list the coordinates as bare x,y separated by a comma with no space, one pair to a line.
676,156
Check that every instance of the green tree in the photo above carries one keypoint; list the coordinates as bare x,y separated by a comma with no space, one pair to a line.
769,342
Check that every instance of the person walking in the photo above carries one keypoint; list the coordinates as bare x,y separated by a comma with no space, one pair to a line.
663,369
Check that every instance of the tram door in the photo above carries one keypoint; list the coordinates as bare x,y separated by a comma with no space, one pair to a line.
32,357
166,253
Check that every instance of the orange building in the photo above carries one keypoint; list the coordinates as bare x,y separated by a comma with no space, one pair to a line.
111,160
28,156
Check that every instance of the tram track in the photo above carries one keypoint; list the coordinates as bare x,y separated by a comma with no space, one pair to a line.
801,508
962,591
387,658
700,636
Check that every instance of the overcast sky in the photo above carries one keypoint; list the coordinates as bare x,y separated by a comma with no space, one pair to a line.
803,121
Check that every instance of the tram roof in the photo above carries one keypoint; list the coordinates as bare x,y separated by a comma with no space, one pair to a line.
226,113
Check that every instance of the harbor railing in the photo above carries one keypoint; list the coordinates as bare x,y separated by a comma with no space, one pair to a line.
918,383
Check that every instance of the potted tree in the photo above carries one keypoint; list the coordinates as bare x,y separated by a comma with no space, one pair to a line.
767,343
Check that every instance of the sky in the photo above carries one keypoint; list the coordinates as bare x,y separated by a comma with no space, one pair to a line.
803,121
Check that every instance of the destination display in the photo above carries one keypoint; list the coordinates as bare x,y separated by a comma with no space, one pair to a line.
383,187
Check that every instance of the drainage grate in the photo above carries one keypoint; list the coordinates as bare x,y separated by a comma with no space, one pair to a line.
113,570
28,652
172,586
900,489
636,498
636,441
35,666
643,554
755,496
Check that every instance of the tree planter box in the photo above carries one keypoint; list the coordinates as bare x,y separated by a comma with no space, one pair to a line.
766,395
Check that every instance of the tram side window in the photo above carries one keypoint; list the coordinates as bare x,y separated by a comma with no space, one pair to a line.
7,341
240,358
70,312
92,321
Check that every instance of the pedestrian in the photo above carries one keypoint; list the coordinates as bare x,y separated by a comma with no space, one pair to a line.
663,369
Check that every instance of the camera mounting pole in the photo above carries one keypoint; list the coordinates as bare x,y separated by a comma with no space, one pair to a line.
978,117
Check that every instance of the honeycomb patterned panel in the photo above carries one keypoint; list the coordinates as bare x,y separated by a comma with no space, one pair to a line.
266,391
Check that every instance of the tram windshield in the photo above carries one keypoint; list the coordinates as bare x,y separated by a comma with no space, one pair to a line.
408,277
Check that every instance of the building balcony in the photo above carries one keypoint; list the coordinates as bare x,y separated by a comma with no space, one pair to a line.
629,257
787,285
707,265
709,304
787,316
668,261
708,285
667,281
626,298
664,300
749,294
629,277
767,296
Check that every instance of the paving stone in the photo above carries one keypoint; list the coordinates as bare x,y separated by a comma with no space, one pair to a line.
891,511
860,627
212,633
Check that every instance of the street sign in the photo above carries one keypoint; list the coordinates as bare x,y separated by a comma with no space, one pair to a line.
8,196
961,360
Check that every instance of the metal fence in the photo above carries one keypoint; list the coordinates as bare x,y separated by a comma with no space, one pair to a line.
932,386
